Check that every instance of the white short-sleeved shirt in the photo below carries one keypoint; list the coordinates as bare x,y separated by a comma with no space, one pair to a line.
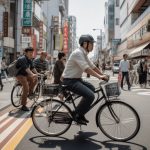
124,65
77,63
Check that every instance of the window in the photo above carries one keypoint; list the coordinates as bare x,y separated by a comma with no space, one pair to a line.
117,21
117,3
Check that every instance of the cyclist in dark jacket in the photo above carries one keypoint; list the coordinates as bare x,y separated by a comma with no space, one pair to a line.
27,75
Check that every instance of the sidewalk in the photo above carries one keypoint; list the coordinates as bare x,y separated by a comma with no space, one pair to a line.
10,79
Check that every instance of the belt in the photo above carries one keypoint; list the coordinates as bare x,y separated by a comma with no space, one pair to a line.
72,78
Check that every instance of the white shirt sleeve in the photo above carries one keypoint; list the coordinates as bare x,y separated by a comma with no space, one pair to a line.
80,60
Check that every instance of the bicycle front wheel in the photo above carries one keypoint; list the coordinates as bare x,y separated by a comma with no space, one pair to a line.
51,117
118,121
16,94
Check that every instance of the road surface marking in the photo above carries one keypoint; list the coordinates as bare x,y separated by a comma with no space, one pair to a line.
15,140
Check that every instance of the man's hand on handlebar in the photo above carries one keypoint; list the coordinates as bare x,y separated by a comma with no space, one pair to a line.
104,77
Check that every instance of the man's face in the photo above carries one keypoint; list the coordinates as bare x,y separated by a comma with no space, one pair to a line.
29,54
43,56
88,47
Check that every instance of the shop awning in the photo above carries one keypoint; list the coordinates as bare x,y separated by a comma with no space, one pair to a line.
143,50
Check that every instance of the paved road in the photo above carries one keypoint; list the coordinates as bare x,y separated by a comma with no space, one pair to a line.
91,138
5,94
16,128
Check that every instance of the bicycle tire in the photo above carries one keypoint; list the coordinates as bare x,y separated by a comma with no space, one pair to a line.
16,94
49,121
127,116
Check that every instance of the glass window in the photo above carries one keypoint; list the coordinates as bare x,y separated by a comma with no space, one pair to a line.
117,3
117,21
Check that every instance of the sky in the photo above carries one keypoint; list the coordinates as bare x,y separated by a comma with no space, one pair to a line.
89,15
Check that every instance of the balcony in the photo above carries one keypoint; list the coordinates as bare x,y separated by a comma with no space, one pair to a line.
141,17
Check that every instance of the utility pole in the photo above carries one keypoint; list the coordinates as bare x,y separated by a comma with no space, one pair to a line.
17,47
100,44
4,5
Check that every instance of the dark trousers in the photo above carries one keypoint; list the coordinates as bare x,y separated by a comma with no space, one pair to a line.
83,88
126,75
1,83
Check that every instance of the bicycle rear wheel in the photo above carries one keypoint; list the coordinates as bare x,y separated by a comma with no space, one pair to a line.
16,94
118,121
51,117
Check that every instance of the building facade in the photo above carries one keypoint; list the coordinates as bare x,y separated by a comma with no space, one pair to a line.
134,27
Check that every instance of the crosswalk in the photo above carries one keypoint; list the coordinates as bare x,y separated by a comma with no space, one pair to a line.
13,125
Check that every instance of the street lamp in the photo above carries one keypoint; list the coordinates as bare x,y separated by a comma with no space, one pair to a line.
100,44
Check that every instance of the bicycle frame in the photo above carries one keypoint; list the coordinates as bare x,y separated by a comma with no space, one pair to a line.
97,91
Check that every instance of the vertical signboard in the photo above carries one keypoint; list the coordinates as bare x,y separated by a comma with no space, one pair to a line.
5,24
65,37
27,13
41,36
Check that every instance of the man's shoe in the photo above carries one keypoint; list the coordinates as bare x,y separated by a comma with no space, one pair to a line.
79,119
25,108
83,118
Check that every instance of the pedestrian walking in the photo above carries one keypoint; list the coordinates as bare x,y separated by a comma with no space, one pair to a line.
4,67
124,68
142,71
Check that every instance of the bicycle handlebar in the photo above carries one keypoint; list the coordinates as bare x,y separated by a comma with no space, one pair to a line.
104,81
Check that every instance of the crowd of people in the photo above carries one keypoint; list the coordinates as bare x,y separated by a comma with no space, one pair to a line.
136,72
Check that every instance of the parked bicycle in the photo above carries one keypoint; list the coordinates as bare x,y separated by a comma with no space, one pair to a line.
116,119
17,91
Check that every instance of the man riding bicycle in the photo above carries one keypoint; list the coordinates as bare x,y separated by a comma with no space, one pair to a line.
41,64
27,75
78,63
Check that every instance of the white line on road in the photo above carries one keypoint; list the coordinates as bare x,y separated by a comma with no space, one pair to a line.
6,132
3,116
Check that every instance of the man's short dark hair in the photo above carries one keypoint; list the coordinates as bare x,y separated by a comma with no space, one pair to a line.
29,49
125,55
60,55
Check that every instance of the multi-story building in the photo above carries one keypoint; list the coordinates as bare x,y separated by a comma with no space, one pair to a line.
22,24
7,28
134,27
109,29
34,26
56,12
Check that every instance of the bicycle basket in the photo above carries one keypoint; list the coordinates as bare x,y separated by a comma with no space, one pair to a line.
112,90
50,89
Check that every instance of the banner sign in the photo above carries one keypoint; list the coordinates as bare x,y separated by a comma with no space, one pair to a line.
5,24
41,36
27,13
65,38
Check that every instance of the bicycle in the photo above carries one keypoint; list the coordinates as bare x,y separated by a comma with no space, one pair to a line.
53,117
17,91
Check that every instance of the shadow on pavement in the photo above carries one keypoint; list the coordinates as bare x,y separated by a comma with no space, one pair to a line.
17,113
83,141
